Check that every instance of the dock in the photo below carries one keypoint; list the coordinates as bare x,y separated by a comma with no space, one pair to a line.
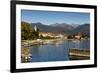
79,54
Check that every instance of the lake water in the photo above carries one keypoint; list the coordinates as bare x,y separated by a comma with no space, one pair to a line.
57,51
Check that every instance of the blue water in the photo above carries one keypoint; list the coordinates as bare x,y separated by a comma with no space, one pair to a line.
57,51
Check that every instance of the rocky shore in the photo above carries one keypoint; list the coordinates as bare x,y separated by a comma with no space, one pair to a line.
26,55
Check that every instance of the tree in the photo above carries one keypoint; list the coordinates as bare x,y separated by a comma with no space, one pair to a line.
28,32
25,30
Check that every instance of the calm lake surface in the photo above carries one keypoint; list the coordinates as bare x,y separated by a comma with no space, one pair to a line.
57,51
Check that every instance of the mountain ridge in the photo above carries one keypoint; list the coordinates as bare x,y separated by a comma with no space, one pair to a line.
63,28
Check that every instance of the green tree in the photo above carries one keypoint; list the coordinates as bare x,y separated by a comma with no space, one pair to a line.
28,32
25,30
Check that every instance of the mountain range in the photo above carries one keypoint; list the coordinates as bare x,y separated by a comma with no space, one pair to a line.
63,28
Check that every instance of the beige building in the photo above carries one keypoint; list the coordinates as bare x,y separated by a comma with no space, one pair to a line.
45,34
78,37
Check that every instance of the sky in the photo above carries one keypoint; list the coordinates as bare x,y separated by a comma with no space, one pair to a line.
52,17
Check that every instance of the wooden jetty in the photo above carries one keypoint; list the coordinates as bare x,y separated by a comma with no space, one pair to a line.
79,54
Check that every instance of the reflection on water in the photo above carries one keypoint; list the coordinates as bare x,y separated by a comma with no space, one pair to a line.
57,51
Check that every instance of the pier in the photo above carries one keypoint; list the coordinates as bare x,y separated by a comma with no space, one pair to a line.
79,54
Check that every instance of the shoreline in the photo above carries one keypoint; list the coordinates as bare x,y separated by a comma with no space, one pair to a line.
44,41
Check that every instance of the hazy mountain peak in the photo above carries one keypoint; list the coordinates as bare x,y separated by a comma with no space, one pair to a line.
75,25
